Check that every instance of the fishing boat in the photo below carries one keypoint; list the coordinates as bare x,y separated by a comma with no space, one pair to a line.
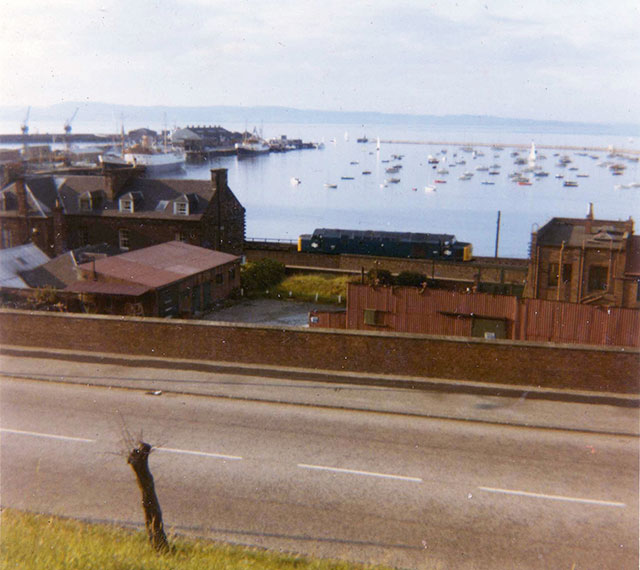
154,161
252,145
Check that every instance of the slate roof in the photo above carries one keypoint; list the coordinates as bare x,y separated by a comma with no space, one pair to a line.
573,231
15,260
155,196
61,271
41,196
158,265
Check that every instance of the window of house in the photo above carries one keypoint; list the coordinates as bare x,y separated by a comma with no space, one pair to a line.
598,277
124,238
181,208
126,205
373,317
232,274
83,236
219,278
85,203
554,274
7,238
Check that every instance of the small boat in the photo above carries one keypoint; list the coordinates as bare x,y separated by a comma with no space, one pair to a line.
439,181
327,185
487,183
429,189
365,172
524,183
570,183
354,162
362,139
393,180
295,181
582,175
346,177
494,172
559,176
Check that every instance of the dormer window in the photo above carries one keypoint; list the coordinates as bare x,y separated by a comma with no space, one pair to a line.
131,202
86,204
126,205
181,208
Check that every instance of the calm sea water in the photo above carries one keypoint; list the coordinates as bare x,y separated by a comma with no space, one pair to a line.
278,209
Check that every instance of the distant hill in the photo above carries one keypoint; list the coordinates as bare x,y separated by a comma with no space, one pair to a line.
135,116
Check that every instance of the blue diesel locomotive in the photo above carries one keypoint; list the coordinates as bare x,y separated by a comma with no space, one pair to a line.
387,244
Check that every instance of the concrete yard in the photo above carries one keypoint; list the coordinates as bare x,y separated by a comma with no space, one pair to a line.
268,312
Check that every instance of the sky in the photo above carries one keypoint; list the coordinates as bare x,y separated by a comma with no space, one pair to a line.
568,60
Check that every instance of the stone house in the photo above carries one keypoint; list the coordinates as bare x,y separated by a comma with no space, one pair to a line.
119,208
587,261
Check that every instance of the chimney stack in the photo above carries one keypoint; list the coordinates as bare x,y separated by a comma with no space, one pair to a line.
219,178
587,226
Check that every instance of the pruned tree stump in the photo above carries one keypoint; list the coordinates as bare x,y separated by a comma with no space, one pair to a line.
139,461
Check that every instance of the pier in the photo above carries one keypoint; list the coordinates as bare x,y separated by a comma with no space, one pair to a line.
522,146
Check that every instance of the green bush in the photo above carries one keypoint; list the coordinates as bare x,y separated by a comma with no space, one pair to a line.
411,279
260,275
380,277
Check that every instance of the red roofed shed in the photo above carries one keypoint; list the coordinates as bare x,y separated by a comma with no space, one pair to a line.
169,279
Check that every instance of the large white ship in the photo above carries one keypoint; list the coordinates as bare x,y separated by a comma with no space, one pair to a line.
154,162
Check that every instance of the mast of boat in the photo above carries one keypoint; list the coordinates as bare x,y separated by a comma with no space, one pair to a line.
533,154
378,143
164,138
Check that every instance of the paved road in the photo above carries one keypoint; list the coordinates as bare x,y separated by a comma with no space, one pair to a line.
411,492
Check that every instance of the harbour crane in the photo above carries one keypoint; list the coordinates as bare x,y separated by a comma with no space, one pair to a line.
67,123
24,127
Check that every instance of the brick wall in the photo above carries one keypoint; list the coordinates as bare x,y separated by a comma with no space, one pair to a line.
484,270
502,362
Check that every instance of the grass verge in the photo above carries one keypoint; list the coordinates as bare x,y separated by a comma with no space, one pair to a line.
328,288
35,542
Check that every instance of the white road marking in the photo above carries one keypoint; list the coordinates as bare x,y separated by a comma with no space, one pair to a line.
199,453
355,472
47,435
553,497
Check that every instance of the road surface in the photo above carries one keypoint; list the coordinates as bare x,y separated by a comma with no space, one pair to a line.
408,491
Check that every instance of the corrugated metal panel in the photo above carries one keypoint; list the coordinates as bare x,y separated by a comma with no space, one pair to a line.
432,311
569,322
328,319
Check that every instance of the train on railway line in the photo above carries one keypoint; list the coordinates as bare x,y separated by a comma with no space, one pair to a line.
387,244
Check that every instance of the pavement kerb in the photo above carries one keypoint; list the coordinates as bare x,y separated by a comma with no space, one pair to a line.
330,376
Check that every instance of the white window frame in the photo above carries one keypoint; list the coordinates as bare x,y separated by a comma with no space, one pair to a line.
181,208
124,239
126,205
